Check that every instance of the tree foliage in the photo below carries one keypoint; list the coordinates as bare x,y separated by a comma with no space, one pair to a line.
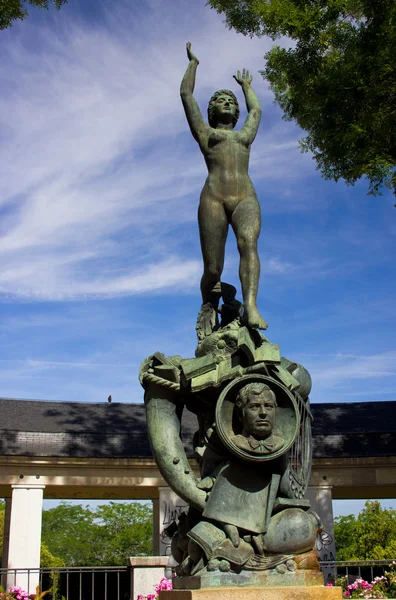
370,535
107,535
338,81
46,558
11,10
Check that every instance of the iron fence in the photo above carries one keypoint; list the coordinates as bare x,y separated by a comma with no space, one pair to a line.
114,583
74,583
354,569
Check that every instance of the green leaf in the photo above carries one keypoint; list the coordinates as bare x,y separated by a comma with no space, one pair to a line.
338,82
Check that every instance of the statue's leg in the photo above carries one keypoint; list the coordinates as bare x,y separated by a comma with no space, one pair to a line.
213,229
246,222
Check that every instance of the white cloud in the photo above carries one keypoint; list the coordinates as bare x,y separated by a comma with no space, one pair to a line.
99,187
96,145
45,280
341,367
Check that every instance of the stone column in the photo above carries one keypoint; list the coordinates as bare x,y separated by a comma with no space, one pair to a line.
322,503
170,507
25,535
156,527
6,539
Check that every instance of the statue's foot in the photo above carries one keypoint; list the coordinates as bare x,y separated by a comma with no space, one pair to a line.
252,318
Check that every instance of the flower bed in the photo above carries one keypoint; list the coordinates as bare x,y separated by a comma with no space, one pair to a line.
380,587
164,584
17,593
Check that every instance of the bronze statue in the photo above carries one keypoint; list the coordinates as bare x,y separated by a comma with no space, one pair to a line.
228,196
247,523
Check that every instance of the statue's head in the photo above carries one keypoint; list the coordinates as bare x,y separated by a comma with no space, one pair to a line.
256,404
222,103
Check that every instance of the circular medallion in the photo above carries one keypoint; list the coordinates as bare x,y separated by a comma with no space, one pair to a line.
257,418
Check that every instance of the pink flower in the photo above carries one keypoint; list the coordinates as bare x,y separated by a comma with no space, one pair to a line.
17,592
164,584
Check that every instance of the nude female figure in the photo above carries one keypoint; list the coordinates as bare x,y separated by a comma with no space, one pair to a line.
228,196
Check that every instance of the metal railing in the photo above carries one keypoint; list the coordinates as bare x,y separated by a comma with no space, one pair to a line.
114,583
353,569
74,583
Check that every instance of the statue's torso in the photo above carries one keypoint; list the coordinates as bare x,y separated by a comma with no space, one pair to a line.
227,158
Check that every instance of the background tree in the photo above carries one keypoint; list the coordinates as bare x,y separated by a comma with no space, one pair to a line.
128,530
338,81
11,10
106,535
370,535
46,558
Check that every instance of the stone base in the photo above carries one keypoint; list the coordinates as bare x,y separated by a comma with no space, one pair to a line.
146,572
267,578
312,592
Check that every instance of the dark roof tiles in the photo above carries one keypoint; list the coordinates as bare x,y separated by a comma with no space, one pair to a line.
86,430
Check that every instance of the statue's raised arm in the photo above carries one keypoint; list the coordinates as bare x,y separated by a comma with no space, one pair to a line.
252,104
191,108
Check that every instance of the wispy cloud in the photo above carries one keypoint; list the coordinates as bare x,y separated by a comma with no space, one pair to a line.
340,367
95,146
47,280
99,187
352,377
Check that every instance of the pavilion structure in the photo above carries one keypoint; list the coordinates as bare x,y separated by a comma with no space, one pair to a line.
79,450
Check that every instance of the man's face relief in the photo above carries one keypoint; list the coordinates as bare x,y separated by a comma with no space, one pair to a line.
259,415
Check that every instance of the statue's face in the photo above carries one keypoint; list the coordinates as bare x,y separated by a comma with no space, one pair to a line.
224,108
259,415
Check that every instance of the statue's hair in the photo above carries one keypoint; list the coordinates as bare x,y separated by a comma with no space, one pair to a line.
211,109
253,388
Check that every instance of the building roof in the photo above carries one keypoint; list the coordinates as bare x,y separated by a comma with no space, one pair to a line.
89,430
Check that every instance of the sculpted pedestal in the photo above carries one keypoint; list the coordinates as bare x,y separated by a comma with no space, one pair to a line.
247,522
253,593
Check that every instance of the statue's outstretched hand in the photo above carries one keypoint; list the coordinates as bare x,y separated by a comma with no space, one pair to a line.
244,79
190,54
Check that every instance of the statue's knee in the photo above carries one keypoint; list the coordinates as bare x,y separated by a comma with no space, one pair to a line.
291,531
247,242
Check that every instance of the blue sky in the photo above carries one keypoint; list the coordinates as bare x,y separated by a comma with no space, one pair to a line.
99,186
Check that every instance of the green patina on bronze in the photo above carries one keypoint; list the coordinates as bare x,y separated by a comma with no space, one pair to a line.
228,196
248,522
247,512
